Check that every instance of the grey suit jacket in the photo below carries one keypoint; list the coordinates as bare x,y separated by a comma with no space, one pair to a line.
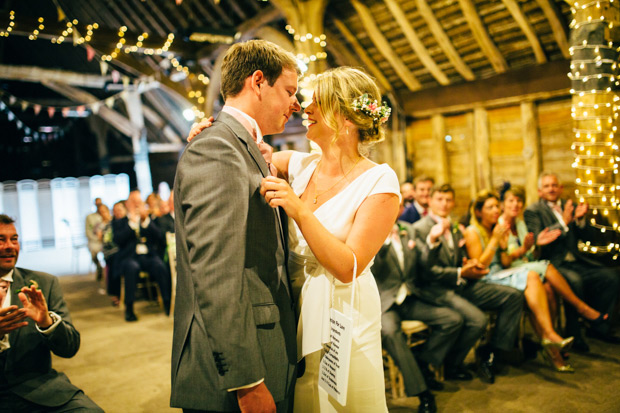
388,272
539,216
234,321
28,368
442,274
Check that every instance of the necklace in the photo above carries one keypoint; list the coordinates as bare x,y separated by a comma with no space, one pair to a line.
316,195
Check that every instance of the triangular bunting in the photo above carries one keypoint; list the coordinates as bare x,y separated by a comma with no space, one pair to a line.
90,53
95,107
125,81
37,109
80,110
24,105
12,100
116,76
50,111
61,14
65,112
109,102
104,67
76,37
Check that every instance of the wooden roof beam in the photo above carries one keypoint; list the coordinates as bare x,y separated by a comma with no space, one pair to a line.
37,75
557,26
162,16
444,41
416,44
526,27
149,17
361,53
118,121
384,47
340,51
481,35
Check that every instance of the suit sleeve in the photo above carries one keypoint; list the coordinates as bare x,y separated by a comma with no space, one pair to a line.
214,187
533,221
436,271
64,341
122,232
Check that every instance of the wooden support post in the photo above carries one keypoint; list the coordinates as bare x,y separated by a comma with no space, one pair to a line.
481,145
531,150
140,145
442,174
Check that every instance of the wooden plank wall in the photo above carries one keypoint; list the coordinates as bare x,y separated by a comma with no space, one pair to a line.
489,146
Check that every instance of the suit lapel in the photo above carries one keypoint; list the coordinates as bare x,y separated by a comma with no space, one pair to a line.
243,135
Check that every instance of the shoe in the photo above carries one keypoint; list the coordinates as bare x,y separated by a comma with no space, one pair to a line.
429,377
427,402
562,345
602,318
485,372
130,316
608,338
566,368
458,373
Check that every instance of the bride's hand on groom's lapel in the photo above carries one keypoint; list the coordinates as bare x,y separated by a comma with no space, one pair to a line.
278,193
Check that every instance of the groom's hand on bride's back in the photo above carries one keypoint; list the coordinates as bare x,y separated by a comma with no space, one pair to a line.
199,127
256,399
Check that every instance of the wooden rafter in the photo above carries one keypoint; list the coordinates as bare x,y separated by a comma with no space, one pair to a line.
528,30
416,44
384,47
36,75
142,11
218,10
558,28
361,53
443,40
481,35
205,14
340,51
134,22
162,16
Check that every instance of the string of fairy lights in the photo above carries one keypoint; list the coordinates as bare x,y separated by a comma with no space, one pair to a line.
595,109
122,46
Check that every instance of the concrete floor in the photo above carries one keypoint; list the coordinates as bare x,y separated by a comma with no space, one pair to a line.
125,367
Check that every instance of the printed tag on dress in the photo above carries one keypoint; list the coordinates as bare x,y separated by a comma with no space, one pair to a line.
334,369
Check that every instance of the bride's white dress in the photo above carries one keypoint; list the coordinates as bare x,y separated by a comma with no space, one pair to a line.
313,284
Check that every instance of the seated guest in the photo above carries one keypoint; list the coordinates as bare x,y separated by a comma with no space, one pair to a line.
523,251
34,322
94,243
422,189
487,241
407,192
594,283
396,266
454,281
138,239
110,250
166,220
153,202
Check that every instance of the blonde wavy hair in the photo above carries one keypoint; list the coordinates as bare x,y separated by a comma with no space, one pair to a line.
335,91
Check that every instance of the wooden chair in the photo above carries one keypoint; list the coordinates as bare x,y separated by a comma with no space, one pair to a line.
414,330
144,281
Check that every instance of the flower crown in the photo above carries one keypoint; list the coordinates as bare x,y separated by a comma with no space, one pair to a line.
379,114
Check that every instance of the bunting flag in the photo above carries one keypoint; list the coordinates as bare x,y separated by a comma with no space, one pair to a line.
12,100
24,105
95,107
116,76
109,102
80,110
76,37
125,81
90,53
179,2
50,111
65,112
37,109
104,67
61,14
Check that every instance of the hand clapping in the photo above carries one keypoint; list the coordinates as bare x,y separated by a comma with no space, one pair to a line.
35,305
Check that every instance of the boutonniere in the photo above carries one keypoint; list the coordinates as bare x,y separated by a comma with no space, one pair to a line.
402,230
455,227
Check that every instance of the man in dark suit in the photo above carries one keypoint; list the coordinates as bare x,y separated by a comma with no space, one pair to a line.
419,208
590,280
397,265
139,239
454,281
234,344
34,321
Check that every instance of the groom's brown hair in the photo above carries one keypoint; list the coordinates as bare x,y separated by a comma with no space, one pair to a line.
245,58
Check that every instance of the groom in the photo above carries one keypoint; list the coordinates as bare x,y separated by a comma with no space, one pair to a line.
234,342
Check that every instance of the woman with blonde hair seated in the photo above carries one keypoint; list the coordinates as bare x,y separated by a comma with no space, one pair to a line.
486,240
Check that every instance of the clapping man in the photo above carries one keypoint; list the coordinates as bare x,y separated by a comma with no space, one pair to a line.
34,322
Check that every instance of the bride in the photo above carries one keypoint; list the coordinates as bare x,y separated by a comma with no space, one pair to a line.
342,206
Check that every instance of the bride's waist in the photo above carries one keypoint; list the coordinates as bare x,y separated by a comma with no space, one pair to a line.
308,266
